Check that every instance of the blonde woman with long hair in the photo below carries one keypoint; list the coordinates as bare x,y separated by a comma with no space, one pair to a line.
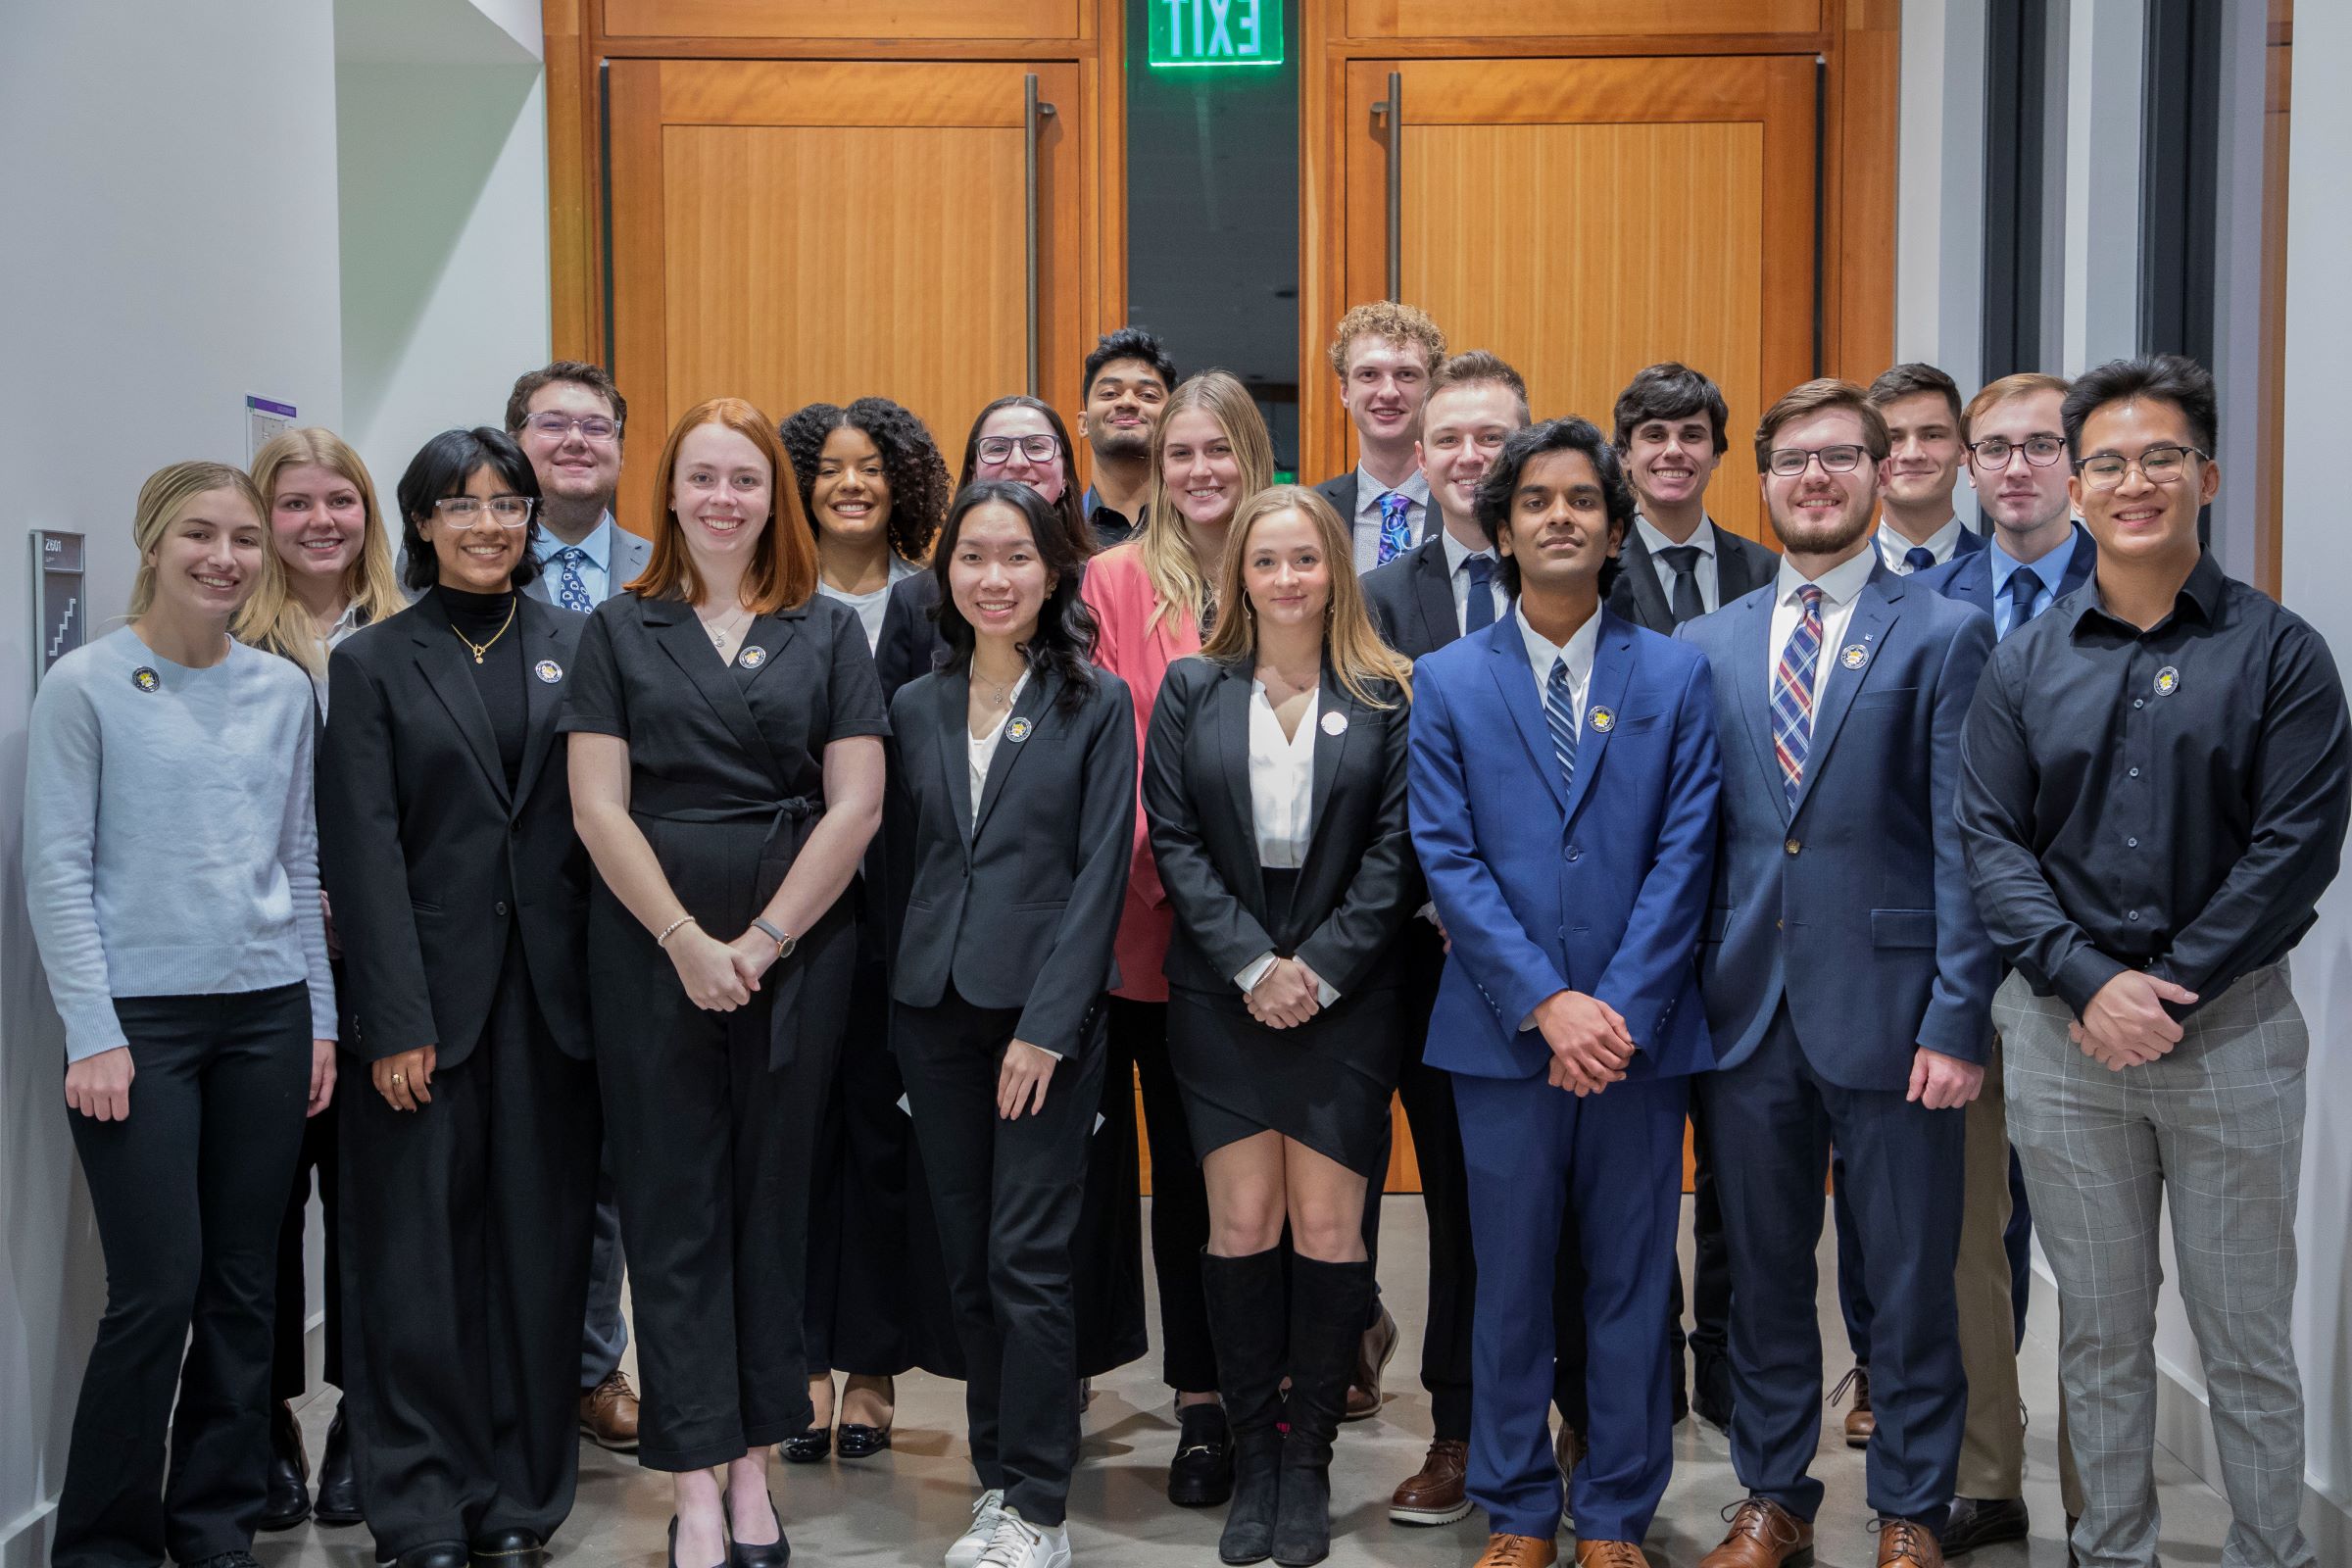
1275,780
1152,600
324,525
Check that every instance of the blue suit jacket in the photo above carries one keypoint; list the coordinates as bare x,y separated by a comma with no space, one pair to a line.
1543,888
1969,576
1856,903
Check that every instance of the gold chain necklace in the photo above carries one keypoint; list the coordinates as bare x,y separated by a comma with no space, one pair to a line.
479,649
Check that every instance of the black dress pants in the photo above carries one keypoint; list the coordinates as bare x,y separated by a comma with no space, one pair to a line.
465,1239
289,1367
1179,1198
187,1193
1007,1196
1428,1095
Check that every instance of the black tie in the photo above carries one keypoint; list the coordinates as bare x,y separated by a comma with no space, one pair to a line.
1479,612
2023,587
1682,562
1919,558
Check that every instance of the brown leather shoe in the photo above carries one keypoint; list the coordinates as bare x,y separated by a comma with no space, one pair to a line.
1372,1358
1763,1535
1609,1554
1903,1544
1860,1423
608,1414
1434,1494
1518,1551
1568,1450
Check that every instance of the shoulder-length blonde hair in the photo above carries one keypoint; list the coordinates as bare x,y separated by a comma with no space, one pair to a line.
1177,581
1351,646
274,619
165,496
783,569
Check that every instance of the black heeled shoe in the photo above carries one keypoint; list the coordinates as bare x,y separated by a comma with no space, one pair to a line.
812,1447
774,1554
673,1546
338,1484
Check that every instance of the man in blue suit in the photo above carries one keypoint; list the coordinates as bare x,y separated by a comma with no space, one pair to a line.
1564,779
1847,980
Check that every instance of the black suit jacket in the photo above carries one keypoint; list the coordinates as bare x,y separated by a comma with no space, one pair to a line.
1741,567
1411,599
909,646
1359,883
1341,493
1020,909
428,859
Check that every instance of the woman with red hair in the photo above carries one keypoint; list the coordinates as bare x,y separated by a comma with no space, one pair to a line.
727,768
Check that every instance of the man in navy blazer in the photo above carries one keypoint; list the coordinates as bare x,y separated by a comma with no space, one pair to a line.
1563,784
1849,981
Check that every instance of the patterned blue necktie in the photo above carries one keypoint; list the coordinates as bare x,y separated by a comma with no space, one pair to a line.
1559,711
1478,614
1395,526
1793,692
570,592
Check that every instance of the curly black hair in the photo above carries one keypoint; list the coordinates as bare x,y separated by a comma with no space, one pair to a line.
910,463
1569,434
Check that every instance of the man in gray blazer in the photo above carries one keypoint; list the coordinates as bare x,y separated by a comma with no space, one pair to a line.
568,418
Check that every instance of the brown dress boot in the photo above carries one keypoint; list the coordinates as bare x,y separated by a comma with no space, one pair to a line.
1434,1494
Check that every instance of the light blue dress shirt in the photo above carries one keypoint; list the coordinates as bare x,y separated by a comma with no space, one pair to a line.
2050,571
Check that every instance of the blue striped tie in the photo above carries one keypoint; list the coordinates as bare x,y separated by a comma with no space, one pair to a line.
1559,711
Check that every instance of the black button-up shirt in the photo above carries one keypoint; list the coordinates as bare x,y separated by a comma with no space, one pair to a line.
2173,800
1109,523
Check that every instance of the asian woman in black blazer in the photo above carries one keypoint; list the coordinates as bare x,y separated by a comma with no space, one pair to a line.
469,1148
1011,797
1274,780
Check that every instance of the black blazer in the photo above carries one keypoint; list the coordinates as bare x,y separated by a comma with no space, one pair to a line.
1341,493
910,646
1411,599
1741,567
1359,883
427,858
1021,908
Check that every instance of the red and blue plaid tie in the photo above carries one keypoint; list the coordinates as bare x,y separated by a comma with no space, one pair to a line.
1793,692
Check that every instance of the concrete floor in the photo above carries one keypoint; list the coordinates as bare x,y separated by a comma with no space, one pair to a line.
905,1506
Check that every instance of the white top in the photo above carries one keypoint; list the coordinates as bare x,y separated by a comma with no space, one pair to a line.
1840,587
869,607
345,624
1704,572
1364,527
1282,803
1458,553
169,842
1894,547
982,748
1543,654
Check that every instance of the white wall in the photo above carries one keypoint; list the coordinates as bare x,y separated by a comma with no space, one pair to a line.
176,241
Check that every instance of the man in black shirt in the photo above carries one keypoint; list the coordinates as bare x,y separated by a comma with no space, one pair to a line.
2155,778
1128,380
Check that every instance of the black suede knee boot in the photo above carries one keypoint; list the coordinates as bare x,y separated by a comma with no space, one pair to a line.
1247,1321
1328,1302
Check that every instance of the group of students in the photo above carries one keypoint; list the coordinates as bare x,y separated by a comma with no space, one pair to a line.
1493,774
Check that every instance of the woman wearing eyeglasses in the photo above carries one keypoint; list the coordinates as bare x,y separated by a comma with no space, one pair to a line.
460,896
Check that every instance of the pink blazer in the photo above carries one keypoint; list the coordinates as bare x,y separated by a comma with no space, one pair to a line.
1119,593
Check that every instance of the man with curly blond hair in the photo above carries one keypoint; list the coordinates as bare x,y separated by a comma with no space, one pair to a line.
1383,354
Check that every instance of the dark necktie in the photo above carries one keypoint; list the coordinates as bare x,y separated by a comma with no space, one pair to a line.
1478,614
1919,558
1559,712
1395,526
571,590
2024,587
1682,562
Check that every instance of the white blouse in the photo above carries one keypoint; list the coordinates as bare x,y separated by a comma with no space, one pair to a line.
1282,780
982,748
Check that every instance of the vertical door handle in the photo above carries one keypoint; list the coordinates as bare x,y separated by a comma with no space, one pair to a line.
1033,113
1391,111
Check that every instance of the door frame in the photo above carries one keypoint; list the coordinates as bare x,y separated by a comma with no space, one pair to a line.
1858,44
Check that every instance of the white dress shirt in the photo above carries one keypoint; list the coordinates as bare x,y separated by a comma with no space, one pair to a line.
1456,553
1894,547
1281,804
596,572
1702,539
1542,654
1840,587
982,748
1364,527
869,607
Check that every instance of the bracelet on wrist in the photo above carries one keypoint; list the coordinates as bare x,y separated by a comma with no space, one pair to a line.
671,929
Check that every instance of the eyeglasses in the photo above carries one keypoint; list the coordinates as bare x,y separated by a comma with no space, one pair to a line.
558,426
1790,461
1036,448
1995,451
466,511
2158,465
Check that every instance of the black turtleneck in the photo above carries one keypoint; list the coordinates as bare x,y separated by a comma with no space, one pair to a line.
499,677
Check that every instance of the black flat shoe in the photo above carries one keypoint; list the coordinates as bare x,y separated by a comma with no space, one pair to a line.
809,1447
287,1502
775,1554
861,1441
338,1487
507,1549
1202,1474
439,1554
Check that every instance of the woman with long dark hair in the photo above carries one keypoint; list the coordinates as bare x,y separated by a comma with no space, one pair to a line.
1014,805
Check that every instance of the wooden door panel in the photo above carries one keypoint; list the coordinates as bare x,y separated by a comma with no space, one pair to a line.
892,20
1577,19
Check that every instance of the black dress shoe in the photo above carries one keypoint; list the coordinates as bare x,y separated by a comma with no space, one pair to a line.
775,1554
338,1487
507,1549
440,1554
287,1502
673,1546
1202,1474
807,1447
857,1441
1983,1522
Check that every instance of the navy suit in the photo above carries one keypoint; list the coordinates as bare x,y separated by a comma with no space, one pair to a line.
1598,887
1842,936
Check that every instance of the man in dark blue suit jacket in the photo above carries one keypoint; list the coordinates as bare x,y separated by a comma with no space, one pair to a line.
1848,982
1564,779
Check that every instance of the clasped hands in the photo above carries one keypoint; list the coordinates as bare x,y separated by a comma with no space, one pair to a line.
720,976
1590,1042
2125,1024
1287,994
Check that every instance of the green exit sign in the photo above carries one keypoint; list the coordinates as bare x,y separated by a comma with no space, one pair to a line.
1215,32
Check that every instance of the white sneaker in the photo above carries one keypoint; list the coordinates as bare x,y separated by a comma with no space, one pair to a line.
973,1542
1019,1544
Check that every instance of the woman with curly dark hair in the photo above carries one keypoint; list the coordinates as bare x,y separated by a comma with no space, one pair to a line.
874,488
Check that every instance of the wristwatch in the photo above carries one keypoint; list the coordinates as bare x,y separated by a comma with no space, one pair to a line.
784,944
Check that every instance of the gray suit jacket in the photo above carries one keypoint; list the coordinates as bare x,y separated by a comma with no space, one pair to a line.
1741,567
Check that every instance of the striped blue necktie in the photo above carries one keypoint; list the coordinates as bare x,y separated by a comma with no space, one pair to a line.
1792,691
1559,711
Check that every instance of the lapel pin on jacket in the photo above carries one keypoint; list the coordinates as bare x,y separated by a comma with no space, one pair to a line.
753,655
1017,731
1602,719
547,671
1854,655
1335,723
